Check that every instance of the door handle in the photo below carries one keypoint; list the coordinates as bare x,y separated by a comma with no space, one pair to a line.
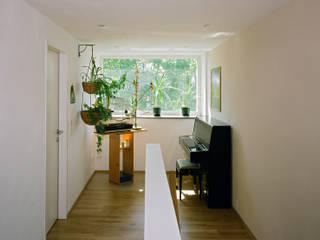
59,132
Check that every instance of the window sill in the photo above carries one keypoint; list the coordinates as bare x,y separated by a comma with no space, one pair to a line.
167,117
161,117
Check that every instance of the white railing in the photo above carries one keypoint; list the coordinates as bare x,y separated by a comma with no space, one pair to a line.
160,220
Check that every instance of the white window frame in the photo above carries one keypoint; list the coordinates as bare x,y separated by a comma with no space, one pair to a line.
201,92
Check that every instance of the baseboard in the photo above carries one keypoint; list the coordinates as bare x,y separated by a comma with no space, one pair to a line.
135,171
85,186
245,225
107,171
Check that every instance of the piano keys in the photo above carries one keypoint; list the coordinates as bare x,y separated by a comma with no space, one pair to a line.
210,145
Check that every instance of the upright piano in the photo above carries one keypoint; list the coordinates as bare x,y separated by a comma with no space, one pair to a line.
210,145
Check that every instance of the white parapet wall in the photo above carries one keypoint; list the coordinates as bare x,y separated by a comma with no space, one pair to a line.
160,220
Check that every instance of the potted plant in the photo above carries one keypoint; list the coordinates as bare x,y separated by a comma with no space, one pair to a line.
136,97
187,93
104,89
159,87
92,79
91,115
108,88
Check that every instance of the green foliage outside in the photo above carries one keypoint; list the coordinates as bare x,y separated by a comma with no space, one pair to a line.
178,76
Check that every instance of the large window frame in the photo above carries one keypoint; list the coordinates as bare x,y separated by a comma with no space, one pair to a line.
200,79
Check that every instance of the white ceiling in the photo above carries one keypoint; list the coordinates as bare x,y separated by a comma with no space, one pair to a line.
143,25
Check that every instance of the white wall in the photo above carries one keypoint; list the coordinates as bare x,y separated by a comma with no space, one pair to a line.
270,96
81,162
24,33
164,131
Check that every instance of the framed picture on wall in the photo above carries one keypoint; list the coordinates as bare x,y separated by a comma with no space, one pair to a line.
216,89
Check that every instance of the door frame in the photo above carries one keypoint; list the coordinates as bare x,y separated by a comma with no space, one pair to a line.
63,125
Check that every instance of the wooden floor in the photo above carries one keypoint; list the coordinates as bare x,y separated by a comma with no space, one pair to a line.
197,221
105,211
108,211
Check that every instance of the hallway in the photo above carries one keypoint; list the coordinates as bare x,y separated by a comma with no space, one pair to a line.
116,212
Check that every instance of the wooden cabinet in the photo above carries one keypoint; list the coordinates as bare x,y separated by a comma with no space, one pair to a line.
121,140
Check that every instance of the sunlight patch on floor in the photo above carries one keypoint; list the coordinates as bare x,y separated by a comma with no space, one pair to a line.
185,193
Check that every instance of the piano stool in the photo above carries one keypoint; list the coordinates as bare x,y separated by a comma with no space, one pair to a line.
186,167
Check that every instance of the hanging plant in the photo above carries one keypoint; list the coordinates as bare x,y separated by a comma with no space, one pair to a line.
92,79
99,143
103,89
90,117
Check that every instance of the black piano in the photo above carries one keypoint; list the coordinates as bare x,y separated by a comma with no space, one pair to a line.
210,145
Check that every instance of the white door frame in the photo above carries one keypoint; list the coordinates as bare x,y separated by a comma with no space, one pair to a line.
63,125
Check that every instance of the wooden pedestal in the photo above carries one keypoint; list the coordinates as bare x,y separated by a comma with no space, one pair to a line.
114,156
121,140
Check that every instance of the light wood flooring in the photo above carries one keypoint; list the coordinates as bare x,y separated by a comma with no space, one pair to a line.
116,212
197,221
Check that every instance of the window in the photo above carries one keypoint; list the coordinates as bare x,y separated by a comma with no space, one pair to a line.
178,77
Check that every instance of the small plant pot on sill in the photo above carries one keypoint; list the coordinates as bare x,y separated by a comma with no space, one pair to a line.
185,111
89,87
157,111
90,118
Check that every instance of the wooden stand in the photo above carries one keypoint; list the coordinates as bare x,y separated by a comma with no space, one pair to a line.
126,145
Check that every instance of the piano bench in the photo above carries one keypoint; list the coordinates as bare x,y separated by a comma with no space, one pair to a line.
186,167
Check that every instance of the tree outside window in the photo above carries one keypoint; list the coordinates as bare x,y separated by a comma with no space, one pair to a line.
180,77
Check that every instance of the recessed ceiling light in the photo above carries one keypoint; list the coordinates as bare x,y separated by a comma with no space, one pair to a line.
103,26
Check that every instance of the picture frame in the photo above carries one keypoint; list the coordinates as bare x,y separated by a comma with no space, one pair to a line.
215,81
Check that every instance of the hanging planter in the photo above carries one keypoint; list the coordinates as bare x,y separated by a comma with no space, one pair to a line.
90,87
90,117
94,82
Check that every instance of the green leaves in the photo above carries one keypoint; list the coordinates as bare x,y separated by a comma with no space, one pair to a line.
106,88
99,143
175,70
160,87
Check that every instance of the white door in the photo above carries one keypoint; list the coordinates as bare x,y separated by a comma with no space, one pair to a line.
52,139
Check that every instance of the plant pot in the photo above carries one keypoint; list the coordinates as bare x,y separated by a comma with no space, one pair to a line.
157,111
185,111
90,118
89,87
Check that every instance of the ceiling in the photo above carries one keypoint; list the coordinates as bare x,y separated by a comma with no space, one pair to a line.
155,25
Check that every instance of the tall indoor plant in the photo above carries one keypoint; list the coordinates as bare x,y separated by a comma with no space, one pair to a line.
187,93
159,92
